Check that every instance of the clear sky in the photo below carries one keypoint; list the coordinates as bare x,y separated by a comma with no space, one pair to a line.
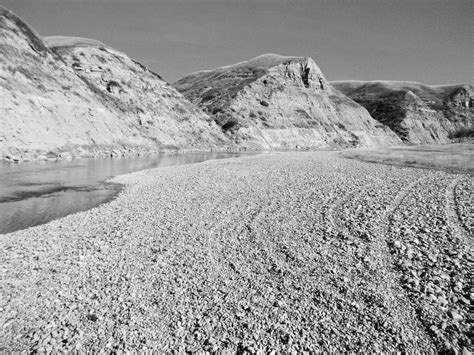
429,41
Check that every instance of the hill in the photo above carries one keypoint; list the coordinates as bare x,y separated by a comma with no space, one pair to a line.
156,108
51,110
277,102
419,114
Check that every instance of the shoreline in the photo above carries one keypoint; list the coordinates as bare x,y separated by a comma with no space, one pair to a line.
14,156
65,153
96,188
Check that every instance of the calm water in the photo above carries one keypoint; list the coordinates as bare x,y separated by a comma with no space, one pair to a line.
36,193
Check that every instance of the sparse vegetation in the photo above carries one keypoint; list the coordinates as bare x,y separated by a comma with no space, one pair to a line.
207,98
231,125
354,139
458,157
304,114
464,132
113,86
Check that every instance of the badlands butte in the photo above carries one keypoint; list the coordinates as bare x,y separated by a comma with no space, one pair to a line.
65,97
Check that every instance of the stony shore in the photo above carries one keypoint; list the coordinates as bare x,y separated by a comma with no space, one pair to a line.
68,153
285,252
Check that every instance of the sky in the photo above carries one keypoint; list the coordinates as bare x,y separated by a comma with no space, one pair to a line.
429,41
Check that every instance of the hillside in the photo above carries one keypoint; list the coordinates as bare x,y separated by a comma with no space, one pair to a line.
157,109
419,114
50,109
277,102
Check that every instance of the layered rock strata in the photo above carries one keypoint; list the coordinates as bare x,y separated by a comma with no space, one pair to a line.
49,110
155,108
277,102
419,114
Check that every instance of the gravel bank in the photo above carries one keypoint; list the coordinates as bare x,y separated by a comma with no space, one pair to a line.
285,252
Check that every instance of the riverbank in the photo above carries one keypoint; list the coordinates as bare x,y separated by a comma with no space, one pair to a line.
37,192
98,151
285,251
454,157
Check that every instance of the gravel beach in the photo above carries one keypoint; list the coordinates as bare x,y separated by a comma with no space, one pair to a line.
282,252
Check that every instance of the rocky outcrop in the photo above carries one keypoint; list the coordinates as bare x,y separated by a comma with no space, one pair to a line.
419,114
51,109
276,102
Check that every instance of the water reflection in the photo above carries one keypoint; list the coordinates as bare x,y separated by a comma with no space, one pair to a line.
35,193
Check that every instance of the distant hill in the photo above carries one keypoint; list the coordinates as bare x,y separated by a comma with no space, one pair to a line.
277,102
419,114
51,108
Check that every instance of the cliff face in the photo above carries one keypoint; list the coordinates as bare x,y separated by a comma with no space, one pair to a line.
419,114
276,102
47,110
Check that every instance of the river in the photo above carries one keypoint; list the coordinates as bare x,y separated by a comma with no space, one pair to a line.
36,193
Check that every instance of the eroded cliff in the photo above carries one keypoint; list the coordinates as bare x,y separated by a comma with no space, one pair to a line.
277,102
48,110
419,114
153,106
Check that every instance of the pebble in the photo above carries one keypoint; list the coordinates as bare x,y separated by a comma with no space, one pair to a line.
455,316
290,210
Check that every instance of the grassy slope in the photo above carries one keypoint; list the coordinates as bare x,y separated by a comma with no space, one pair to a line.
458,158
